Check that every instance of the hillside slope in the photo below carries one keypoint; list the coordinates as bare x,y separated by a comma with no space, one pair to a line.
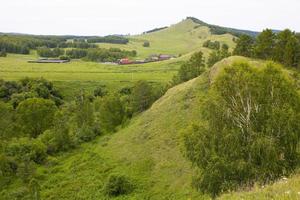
148,151
181,38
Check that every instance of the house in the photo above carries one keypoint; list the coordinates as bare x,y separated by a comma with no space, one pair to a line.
125,61
164,57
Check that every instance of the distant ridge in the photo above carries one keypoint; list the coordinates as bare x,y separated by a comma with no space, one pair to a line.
219,30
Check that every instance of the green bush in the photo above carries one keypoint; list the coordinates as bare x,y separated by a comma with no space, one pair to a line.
117,185
250,131
24,149
85,133
146,44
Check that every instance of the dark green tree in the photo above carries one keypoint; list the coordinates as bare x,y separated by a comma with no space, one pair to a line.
36,115
265,43
244,46
141,96
111,112
191,69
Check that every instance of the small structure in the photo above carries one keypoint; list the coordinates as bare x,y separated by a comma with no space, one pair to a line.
164,57
125,61
48,61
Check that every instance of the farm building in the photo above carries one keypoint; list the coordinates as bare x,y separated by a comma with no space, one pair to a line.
48,61
164,57
125,61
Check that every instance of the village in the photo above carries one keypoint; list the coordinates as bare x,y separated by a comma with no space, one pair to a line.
151,58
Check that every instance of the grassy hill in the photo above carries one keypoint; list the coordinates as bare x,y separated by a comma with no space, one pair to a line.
148,151
181,38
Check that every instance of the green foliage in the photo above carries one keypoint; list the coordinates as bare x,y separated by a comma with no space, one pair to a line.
7,116
3,53
64,58
283,47
58,138
111,112
15,92
287,48
244,46
212,45
76,53
117,185
191,69
50,53
34,189
100,91
26,149
146,44
35,115
108,55
108,39
251,130
217,56
141,96
265,43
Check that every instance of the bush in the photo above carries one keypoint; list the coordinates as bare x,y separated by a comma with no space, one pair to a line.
250,131
64,58
25,149
36,115
146,44
3,54
111,113
85,133
117,185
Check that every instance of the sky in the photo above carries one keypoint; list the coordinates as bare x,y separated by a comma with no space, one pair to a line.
104,17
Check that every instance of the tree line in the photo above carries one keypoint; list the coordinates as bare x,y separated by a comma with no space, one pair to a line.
113,39
282,47
96,54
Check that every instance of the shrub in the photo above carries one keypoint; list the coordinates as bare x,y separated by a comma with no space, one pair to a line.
117,185
85,133
146,44
64,58
25,149
3,54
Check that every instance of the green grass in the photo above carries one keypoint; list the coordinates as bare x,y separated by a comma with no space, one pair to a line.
71,77
149,152
181,38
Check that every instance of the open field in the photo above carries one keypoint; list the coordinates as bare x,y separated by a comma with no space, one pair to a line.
72,76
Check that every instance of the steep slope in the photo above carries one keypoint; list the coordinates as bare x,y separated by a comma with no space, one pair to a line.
181,38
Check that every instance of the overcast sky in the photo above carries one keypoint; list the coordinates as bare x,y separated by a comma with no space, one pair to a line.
103,17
